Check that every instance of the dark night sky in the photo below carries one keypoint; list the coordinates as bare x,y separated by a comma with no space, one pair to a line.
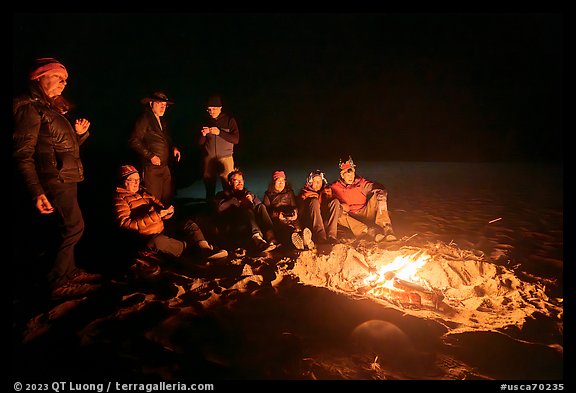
379,86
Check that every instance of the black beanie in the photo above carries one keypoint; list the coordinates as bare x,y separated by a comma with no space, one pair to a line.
214,100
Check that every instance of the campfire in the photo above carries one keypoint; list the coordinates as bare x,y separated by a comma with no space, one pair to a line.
399,281
459,288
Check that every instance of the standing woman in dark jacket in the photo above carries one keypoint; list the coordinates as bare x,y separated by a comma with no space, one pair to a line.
46,150
152,141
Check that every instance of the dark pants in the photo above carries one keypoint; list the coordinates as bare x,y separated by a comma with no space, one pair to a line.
165,245
247,222
158,182
285,228
70,223
174,244
322,219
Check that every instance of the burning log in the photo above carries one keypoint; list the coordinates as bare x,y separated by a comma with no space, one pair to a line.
407,293
396,282
432,298
409,298
360,260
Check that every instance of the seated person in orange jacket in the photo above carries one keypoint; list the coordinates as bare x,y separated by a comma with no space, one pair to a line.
141,217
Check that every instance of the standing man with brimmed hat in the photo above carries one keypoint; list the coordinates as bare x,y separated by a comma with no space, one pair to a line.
152,141
218,135
46,150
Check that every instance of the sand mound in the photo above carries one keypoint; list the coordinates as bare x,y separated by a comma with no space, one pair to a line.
456,287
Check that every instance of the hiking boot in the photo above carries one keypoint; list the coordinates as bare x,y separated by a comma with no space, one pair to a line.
270,237
297,241
259,242
389,233
326,241
71,290
332,241
212,253
149,255
144,269
307,237
374,234
271,246
82,276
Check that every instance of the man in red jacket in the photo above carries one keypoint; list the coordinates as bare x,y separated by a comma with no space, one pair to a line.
363,200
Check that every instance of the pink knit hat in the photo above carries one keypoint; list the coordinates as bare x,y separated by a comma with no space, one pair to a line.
44,66
127,170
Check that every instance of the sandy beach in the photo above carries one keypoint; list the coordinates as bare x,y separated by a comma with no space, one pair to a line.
484,304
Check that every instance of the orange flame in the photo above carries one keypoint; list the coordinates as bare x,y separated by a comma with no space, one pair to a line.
404,267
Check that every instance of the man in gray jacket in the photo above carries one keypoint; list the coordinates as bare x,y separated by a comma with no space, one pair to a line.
219,134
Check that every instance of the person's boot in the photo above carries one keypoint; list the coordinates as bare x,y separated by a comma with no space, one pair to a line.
82,276
261,244
144,269
73,290
297,241
271,238
211,253
389,233
375,235
307,237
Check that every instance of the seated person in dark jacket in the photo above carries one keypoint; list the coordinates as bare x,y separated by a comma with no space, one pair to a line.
280,201
141,216
241,213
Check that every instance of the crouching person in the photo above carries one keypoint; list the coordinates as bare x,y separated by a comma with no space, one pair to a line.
141,216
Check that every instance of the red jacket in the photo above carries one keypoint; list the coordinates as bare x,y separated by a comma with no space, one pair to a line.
354,195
